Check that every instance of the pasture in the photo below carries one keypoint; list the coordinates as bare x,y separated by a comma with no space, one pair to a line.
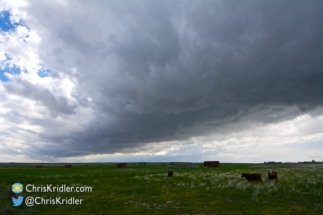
147,189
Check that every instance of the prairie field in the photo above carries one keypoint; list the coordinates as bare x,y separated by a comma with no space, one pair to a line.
146,189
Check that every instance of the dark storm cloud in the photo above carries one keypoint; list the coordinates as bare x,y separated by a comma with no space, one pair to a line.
172,70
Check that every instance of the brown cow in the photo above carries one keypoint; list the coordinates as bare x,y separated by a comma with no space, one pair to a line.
68,166
170,173
272,175
252,177
39,166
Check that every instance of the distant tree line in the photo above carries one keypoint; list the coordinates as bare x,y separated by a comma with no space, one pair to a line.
274,162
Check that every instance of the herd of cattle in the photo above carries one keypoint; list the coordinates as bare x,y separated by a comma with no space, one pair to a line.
249,176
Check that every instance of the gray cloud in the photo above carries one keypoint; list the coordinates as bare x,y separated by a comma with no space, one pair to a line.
57,104
167,71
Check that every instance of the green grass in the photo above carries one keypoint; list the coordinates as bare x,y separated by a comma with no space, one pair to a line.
146,189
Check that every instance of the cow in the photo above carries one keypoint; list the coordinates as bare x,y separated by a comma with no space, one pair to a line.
272,175
170,173
39,166
252,177
68,166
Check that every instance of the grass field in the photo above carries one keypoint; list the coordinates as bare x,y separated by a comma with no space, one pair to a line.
146,189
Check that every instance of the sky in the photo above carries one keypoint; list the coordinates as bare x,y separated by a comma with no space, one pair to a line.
161,81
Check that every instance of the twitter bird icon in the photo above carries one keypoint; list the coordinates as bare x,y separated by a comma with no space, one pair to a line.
18,201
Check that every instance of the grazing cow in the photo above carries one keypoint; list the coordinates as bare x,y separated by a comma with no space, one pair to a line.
272,175
252,177
39,166
170,173
68,166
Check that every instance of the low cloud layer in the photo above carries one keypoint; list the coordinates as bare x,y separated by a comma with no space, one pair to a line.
142,77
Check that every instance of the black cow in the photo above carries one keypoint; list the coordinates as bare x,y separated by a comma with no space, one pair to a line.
252,177
170,173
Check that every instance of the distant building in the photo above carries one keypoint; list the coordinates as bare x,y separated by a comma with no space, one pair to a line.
212,163
121,165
